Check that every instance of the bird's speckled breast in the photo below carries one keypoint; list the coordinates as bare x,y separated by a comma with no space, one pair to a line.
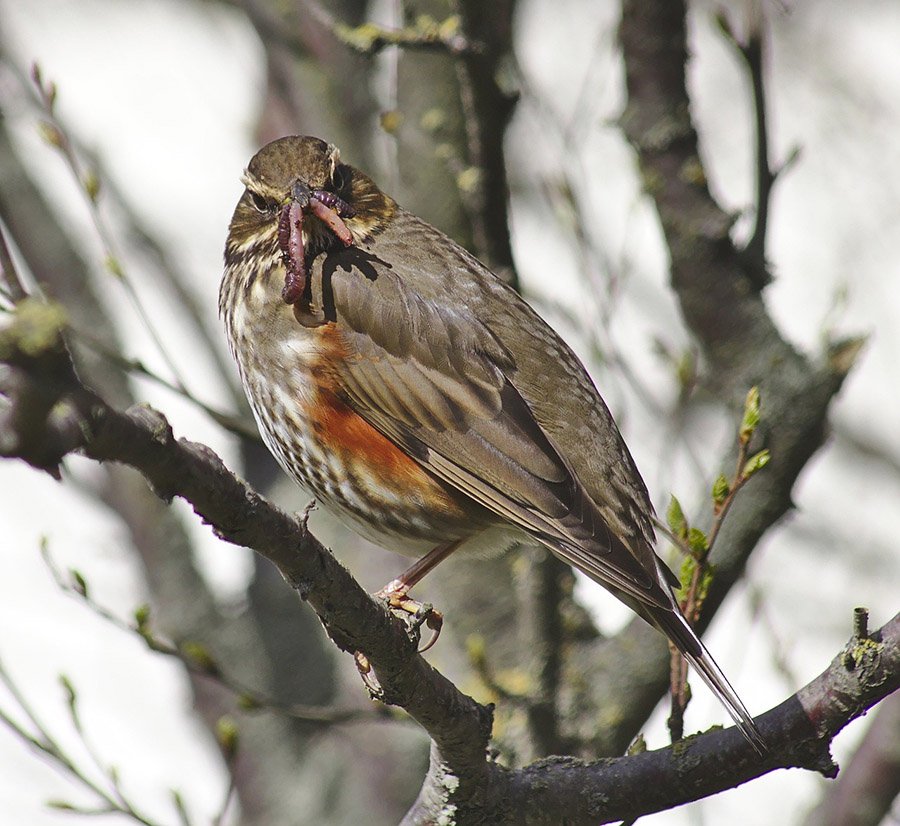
344,462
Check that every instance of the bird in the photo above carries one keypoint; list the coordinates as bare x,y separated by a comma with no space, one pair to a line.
422,400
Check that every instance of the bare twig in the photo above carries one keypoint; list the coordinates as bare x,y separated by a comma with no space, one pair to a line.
234,424
230,792
761,613
197,659
753,52
9,275
228,737
478,659
95,181
56,134
602,275
111,799
170,275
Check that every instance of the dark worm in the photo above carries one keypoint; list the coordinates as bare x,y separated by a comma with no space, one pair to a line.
290,241
328,208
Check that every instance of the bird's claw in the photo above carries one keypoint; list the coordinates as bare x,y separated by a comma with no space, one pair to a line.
429,616
396,594
364,667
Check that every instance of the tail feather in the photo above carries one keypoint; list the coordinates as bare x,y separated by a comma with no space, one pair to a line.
676,628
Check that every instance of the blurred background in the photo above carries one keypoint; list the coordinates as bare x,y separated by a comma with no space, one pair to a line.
164,102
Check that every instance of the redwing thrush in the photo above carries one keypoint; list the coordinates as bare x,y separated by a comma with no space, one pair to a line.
421,399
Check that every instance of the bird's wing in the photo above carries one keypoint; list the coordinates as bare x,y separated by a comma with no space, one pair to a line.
438,383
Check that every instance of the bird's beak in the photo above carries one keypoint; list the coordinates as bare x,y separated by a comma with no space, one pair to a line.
301,193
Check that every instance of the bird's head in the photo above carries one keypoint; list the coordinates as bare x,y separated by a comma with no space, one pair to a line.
308,173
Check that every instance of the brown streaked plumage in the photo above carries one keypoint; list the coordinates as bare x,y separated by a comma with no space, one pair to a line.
416,395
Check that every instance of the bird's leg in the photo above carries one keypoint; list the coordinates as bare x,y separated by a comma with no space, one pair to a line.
396,592
416,572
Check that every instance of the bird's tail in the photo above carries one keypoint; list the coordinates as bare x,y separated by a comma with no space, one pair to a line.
671,622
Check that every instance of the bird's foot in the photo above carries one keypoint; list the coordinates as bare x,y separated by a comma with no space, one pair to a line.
396,594
364,667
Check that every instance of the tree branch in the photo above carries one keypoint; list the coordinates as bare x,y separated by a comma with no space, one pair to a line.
196,658
9,275
869,785
753,52
368,39
488,109
184,606
425,33
541,600
142,438
741,345
461,777
565,790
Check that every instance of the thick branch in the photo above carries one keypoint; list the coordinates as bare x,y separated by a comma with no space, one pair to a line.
869,785
565,790
541,599
719,303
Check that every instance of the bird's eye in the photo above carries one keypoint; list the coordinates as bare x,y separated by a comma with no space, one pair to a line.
260,203
339,178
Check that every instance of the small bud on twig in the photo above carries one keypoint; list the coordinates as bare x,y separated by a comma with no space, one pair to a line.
751,416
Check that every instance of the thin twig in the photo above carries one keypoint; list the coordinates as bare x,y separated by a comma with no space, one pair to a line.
598,269
9,275
184,818
142,237
188,301
234,424
196,659
230,792
778,649
698,547
45,743
753,54
108,772
478,661
57,135
692,602
424,34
